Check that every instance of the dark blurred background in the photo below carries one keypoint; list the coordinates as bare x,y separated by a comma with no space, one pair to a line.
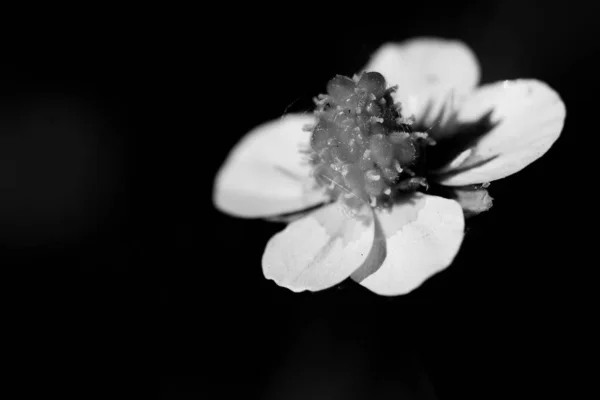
108,150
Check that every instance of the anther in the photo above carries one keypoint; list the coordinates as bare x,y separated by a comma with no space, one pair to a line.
373,175
362,147
397,166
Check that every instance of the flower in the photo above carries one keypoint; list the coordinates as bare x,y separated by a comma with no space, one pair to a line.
383,199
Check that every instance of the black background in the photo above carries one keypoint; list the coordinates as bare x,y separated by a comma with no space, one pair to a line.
109,149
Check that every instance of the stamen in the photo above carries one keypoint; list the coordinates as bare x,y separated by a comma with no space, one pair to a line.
362,146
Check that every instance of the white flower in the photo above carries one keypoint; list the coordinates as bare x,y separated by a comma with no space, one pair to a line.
391,246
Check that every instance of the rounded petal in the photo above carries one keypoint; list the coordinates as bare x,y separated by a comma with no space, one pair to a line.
429,72
319,250
266,173
422,237
527,118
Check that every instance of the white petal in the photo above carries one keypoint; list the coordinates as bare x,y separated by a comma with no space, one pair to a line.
320,250
428,72
422,237
530,116
266,174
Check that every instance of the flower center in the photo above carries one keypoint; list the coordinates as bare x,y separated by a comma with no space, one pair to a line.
362,149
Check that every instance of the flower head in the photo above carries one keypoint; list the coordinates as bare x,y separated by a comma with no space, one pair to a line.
376,184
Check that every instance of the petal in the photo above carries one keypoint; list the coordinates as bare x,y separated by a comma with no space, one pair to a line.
528,117
320,250
266,174
428,72
422,237
473,200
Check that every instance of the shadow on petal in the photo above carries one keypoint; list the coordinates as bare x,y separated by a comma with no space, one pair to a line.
376,255
295,215
452,137
440,176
